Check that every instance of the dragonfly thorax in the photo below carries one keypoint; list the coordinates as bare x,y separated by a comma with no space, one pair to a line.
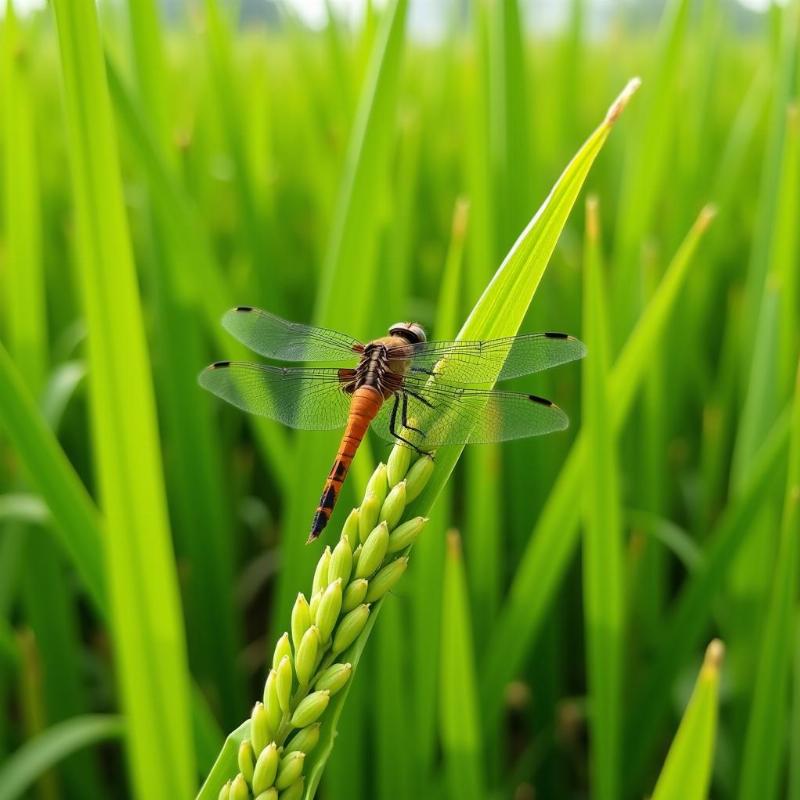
383,365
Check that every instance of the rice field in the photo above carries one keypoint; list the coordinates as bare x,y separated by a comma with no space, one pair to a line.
608,611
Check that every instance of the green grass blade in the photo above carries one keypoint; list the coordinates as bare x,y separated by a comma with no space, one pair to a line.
686,774
509,121
225,764
487,142
782,81
555,536
195,476
24,300
503,304
23,508
603,547
76,519
390,697
793,790
460,727
692,611
646,167
145,606
429,552
47,594
38,755
232,117
784,253
31,703
209,291
648,596
751,578
764,751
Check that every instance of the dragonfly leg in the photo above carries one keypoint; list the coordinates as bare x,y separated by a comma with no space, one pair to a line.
420,398
405,416
422,369
393,424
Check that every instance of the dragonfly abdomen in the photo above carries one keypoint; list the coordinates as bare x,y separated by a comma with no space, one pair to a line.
364,405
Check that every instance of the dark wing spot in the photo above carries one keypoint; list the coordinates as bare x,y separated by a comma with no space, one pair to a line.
556,335
541,400
244,308
220,365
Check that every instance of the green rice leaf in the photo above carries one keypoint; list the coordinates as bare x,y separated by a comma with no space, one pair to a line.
686,774
693,608
555,537
603,574
37,756
764,751
144,600
502,306
76,520
462,747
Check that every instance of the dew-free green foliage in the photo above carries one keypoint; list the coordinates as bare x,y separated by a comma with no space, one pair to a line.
687,769
141,574
602,550
156,170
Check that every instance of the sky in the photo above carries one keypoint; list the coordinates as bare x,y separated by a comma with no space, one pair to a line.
313,11
549,14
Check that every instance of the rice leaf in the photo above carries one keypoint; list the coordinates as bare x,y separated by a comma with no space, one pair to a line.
686,774
460,727
145,605
38,755
693,608
554,539
602,548
764,752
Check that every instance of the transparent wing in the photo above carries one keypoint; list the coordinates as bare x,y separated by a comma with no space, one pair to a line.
306,398
448,415
282,340
482,362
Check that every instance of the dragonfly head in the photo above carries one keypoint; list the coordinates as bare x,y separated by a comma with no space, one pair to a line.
410,331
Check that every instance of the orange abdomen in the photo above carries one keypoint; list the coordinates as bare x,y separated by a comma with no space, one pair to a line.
364,405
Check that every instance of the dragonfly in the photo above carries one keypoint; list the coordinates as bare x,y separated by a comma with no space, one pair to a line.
422,394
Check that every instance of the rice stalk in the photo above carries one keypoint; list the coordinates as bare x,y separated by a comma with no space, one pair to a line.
311,662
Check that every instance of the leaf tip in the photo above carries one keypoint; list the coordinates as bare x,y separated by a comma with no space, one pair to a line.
715,654
460,219
592,224
618,106
706,216
454,544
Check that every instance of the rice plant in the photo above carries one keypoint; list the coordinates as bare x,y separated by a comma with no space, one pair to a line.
608,611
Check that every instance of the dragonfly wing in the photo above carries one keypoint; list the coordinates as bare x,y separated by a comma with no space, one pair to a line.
447,415
495,359
305,398
282,340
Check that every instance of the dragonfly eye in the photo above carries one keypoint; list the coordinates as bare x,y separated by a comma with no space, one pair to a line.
410,331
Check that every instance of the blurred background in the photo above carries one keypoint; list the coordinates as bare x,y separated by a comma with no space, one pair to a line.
331,161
